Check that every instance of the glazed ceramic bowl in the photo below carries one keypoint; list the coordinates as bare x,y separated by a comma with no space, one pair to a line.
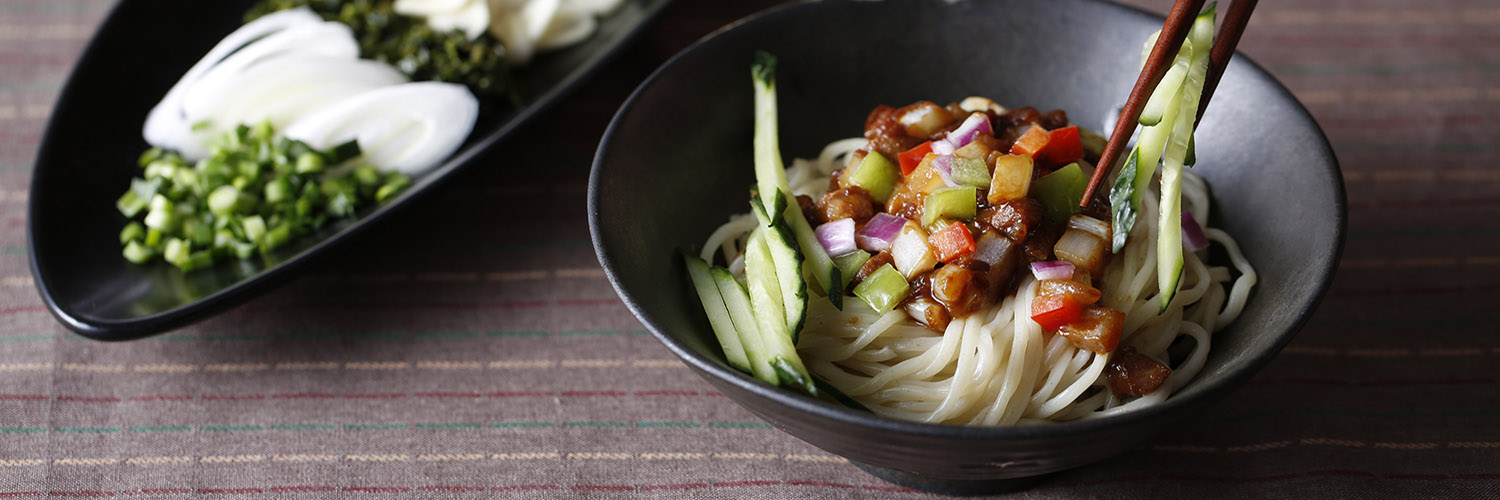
676,162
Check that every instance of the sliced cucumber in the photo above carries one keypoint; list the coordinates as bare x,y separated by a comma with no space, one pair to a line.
770,176
776,346
719,316
793,374
738,304
788,264
1156,105
1169,236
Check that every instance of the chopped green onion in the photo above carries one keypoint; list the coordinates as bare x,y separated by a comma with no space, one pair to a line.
132,232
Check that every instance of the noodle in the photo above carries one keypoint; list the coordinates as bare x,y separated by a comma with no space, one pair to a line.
996,366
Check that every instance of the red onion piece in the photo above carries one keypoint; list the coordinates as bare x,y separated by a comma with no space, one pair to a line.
943,165
1054,270
943,147
1192,233
964,134
837,237
879,232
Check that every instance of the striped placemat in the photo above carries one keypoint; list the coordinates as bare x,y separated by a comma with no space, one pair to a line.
473,349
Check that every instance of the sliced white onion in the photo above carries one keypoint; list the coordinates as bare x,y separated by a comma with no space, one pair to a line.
167,125
287,88
595,7
567,28
470,16
409,127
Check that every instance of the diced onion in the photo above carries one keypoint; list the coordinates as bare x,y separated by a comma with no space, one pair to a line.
1053,270
879,232
1096,227
943,147
964,134
837,237
993,249
1192,233
910,252
943,165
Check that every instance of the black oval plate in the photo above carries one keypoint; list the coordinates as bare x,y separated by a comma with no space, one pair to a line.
87,158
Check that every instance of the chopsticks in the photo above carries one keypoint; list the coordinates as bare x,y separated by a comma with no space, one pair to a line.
1179,22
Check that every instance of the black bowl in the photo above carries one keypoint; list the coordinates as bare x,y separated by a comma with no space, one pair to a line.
87,158
676,162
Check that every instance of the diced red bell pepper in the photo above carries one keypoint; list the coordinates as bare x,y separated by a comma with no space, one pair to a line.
952,242
1054,311
1063,146
912,157
1031,143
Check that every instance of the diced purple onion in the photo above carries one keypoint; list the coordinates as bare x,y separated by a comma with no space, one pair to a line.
837,237
943,147
1054,270
964,134
1192,233
943,165
879,232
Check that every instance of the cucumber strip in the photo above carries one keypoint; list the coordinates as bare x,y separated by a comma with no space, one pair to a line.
775,345
719,316
738,304
1154,139
1169,229
788,265
1156,105
770,177
764,296
793,374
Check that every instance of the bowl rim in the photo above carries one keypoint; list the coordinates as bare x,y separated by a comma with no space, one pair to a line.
1248,366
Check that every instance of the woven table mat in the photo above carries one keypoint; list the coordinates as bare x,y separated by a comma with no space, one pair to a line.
472,348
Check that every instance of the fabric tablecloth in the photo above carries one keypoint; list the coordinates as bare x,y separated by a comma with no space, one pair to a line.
463,351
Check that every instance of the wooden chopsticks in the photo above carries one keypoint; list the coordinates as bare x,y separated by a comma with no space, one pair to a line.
1179,22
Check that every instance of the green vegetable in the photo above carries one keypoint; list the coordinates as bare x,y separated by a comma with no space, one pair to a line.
1060,192
1169,236
253,193
412,46
954,203
1121,208
788,263
971,172
766,302
877,175
737,302
882,289
719,317
770,176
849,265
